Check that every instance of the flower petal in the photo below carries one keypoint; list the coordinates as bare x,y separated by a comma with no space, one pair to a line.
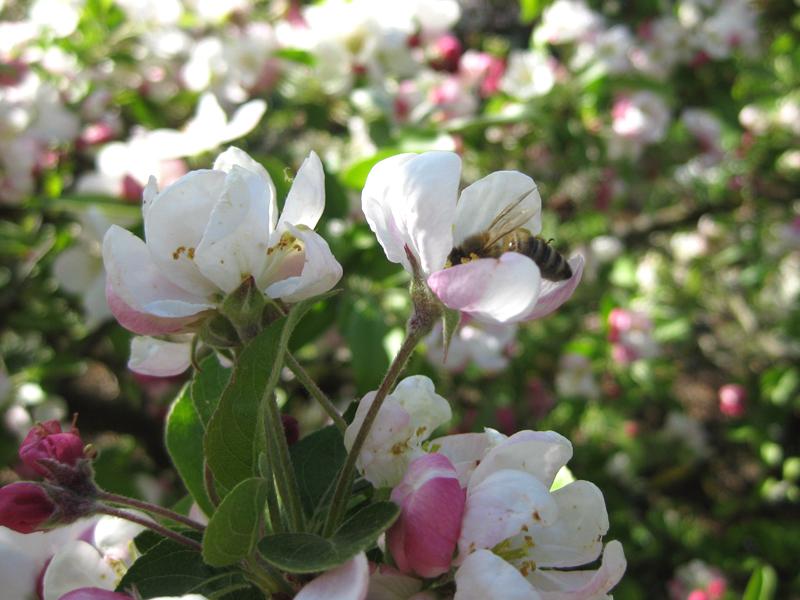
502,289
422,540
574,539
410,200
174,225
134,282
77,565
234,245
157,358
582,585
486,576
539,453
234,156
499,506
464,450
484,200
346,582
243,121
320,270
306,199
554,293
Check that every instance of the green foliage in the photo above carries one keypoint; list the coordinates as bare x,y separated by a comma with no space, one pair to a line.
184,440
317,459
207,386
310,553
762,584
233,530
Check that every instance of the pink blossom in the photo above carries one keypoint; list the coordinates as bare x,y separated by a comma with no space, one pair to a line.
47,441
25,507
432,504
732,400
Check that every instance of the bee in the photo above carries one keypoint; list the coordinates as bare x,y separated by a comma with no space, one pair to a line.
506,234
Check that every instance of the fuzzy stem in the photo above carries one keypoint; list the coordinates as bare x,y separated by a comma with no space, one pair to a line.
345,480
160,529
305,379
151,508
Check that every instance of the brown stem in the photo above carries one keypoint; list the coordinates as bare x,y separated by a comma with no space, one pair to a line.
160,529
151,508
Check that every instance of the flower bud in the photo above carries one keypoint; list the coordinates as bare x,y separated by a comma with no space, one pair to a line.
732,399
25,507
47,441
423,539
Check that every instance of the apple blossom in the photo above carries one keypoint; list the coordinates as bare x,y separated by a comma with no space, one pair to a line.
529,74
486,344
411,201
408,416
25,507
631,335
47,441
209,231
732,400
566,21
424,537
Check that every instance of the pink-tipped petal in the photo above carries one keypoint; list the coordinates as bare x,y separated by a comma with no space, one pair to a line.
502,289
423,539
346,582
140,322
554,294
583,585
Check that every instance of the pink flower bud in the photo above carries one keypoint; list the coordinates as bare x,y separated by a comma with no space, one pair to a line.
131,189
431,500
716,588
25,507
446,52
93,593
732,400
47,441
697,595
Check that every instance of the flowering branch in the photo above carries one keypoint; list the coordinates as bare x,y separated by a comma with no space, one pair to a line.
160,529
151,508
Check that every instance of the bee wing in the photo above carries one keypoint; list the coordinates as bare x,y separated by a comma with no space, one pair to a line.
512,217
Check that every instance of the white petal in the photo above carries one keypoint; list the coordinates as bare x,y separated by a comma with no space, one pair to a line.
243,121
77,565
502,290
540,453
346,582
234,245
465,451
575,538
232,157
320,270
484,200
137,280
583,585
113,536
175,223
151,356
410,200
486,576
499,506
428,410
306,199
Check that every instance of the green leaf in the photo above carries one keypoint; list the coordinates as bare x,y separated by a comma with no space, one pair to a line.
530,9
364,329
310,553
231,434
233,530
184,440
168,568
762,584
232,440
207,387
317,459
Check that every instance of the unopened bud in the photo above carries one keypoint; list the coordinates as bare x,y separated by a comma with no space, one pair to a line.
46,441
25,507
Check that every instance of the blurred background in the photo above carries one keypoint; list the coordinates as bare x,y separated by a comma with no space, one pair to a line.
664,140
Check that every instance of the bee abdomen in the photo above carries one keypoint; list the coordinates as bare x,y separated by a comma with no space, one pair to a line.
552,265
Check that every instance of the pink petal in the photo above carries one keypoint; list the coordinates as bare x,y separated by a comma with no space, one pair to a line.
554,294
140,322
432,502
502,290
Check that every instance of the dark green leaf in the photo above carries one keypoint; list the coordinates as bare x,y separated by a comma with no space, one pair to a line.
207,387
317,459
231,434
310,553
171,569
233,530
184,440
